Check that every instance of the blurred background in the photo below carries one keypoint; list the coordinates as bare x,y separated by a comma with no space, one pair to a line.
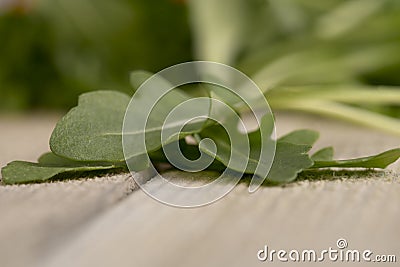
342,55
52,51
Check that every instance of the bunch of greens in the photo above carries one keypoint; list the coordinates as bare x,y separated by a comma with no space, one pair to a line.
89,140
54,51
325,57
338,58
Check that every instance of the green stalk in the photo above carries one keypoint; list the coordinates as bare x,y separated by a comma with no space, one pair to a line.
341,111
345,94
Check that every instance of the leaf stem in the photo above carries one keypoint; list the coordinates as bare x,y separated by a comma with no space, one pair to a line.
341,111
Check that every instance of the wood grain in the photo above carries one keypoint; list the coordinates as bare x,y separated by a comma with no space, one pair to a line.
107,222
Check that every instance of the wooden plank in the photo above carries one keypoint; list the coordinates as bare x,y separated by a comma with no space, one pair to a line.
37,218
99,222
362,208
305,215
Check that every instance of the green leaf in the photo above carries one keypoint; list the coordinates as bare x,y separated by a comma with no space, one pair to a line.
190,152
300,137
18,172
290,158
224,148
380,161
324,154
232,156
52,160
92,130
153,111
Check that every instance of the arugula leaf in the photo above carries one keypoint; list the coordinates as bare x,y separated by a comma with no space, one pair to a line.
52,160
149,114
232,156
18,172
225,151
190,152
380,161
290,158
300,137
92,130
324,154
89,139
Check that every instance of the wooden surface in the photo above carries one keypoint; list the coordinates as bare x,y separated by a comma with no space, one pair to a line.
107,221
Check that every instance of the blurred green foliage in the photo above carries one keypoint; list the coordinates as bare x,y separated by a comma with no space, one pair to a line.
57,49
337,58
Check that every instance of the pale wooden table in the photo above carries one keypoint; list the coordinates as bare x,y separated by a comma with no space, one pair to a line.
107,221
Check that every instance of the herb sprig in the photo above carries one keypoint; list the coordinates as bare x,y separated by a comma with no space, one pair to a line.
89,139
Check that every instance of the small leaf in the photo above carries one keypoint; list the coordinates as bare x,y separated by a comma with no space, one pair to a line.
380,161
226,151
18,172
234,156
92,130
300,137
190,152
290,159
324,154
155,111
52,160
